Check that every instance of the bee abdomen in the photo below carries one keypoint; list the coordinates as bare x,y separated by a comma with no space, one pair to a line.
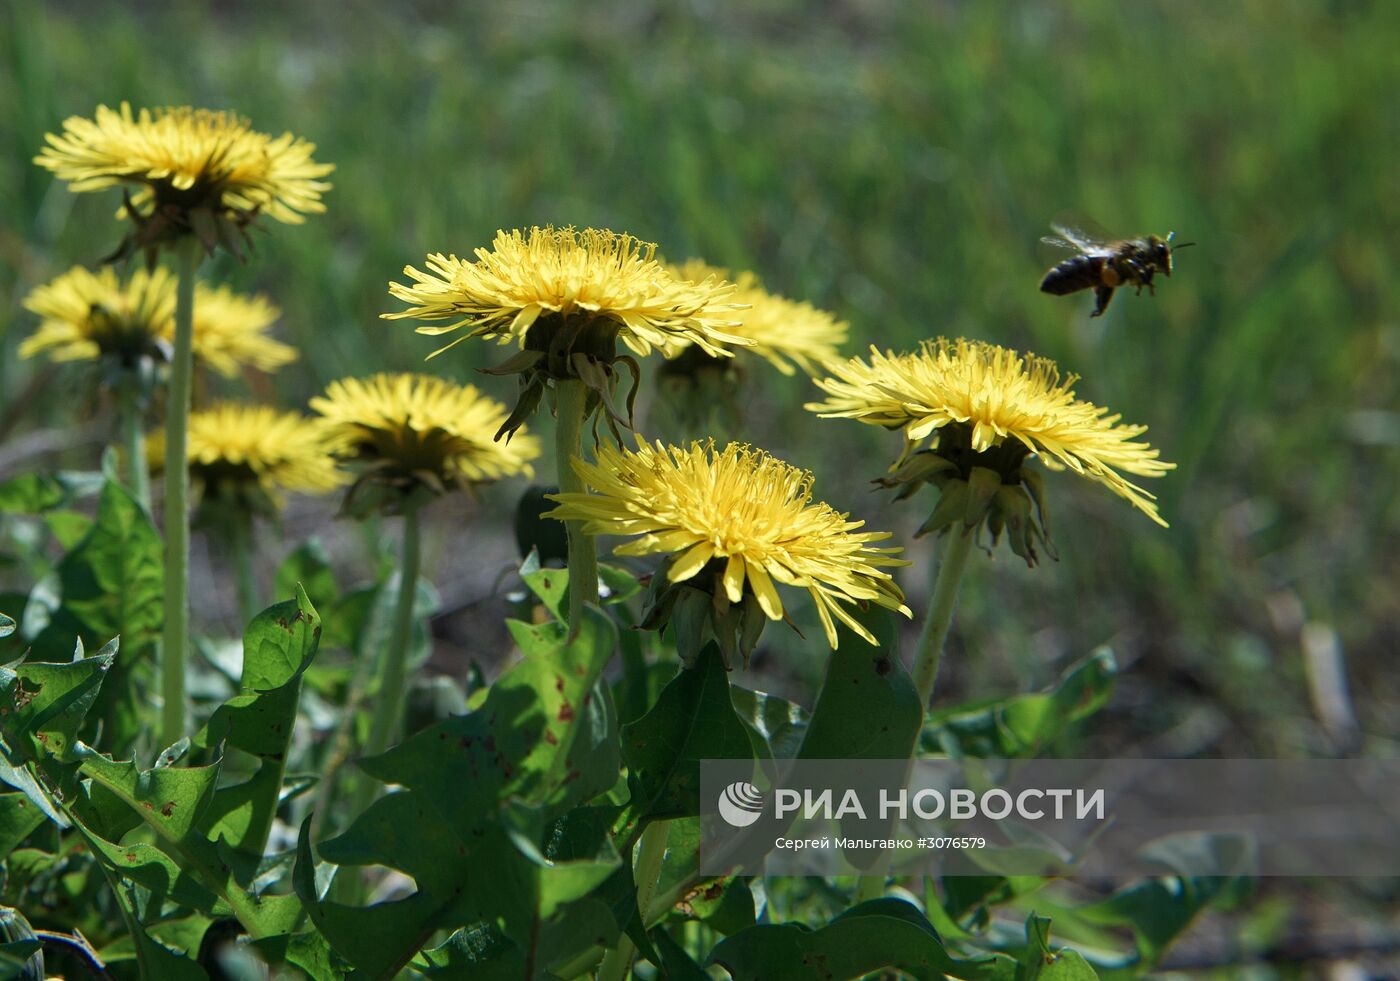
1073,275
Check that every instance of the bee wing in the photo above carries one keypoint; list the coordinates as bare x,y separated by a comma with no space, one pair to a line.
1078,239
1060,243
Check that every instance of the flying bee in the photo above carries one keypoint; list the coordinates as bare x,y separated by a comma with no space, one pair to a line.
1105,266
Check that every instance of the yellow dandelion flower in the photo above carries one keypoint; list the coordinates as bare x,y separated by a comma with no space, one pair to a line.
243,451
742,514
89,315
529,284
228,331
413,430
783,332
194,170
990,408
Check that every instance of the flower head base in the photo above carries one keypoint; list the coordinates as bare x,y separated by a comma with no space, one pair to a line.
986,411
414,436
566,297
733,522
195,172
788,334
131,323
243,458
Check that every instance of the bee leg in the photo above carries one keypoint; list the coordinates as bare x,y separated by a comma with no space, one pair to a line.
1102,296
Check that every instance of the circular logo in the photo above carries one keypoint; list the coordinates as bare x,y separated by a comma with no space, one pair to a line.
741,804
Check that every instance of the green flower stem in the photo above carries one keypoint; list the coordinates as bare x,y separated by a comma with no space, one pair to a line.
388,706
389,703
932,636
342,746
651,852
241,545
176,641
133,423
934,633
571,401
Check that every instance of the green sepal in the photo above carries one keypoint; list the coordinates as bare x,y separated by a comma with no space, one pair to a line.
518,363
1011,509
951,506
912,472
531,391
982,485
1034,484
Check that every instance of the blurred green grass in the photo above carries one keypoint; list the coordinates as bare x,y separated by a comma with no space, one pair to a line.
895,163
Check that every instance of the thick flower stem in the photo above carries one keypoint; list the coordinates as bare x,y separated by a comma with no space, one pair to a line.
934,633
651,852
571,402
932,636
389,703
175,644
133,423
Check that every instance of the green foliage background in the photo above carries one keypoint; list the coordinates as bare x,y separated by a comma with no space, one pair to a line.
895,163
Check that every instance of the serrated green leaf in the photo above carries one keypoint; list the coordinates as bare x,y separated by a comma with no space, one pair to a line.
30,493
396,831
278,648
19,817
377,939
544,733
884,933
307,950
621,584
1042,962
68,527
682,865
726,905
49,702
110,585
152,869
168,965
548,585
692,720
483,953
14,773
179,933
169,799
572,863
778,726
676,964
543,739
112,581
1159,910
1020,726
477,953
868,707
